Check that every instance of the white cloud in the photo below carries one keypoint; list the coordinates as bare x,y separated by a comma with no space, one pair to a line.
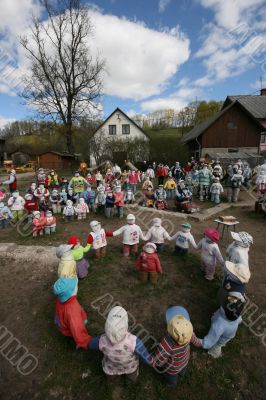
176,101
231,45
4,121
230,13
140,61
163,4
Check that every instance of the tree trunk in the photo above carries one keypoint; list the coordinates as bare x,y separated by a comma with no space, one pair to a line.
69,141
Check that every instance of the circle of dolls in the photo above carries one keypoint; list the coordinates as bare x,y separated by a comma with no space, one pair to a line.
107,195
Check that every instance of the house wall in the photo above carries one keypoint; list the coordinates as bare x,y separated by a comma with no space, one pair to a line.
54,161
135,132
243,134
103,132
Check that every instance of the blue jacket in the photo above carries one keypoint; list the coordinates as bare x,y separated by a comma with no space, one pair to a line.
222,330
88,196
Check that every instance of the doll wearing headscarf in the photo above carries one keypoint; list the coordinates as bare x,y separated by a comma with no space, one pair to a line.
121,350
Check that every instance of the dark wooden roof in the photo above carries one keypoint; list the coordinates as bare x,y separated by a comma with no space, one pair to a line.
199,129
57,153
131,120
255,105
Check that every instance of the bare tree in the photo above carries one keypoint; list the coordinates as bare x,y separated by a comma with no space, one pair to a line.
65,80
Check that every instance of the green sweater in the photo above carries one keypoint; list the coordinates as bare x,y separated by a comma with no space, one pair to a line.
78,253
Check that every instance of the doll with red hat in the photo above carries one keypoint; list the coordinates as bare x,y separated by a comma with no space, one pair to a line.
148,263
78,251
210,252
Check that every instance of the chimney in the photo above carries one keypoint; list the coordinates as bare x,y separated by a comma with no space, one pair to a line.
263,92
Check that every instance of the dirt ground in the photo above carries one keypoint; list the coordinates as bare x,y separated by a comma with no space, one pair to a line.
27,307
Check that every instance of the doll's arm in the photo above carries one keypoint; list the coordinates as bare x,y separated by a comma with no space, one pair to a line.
192,241
94,343
143,353
166,235
118,231
158,265
141,235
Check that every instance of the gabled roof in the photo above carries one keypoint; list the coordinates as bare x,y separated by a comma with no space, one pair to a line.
58,153
131,120
256,105
199,129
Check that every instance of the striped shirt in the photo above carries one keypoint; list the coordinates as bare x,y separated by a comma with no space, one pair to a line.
172,358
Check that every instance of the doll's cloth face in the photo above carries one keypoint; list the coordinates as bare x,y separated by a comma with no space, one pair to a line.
96,228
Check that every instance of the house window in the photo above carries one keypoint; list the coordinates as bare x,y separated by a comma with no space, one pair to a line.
263,137
112,129
231,125
126,129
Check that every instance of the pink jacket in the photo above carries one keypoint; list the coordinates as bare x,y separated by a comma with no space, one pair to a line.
119,198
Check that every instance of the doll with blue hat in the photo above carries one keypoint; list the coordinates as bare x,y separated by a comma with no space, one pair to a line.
70,318
172,354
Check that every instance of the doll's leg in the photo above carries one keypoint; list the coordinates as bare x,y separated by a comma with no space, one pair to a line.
153,276
229,194
107,212
47,230
215,351
126,250
210,271
133,248
103,251
143,276
97,254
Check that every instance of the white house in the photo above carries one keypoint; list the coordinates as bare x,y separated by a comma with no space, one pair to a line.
118,126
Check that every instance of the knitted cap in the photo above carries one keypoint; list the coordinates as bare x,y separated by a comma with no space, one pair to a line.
73,240
157,221
186,225
62,249
212,234
150,245
116,325
131,217
64,288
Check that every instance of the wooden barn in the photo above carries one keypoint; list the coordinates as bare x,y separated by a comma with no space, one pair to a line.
240,127
55,160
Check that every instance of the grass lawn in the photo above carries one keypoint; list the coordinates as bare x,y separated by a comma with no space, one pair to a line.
27,310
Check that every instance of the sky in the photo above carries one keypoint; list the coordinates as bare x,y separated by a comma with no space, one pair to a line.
159,54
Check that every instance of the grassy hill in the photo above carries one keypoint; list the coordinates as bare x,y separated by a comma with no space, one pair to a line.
37,144
164,144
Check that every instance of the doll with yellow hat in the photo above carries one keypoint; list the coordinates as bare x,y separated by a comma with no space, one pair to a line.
172,355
